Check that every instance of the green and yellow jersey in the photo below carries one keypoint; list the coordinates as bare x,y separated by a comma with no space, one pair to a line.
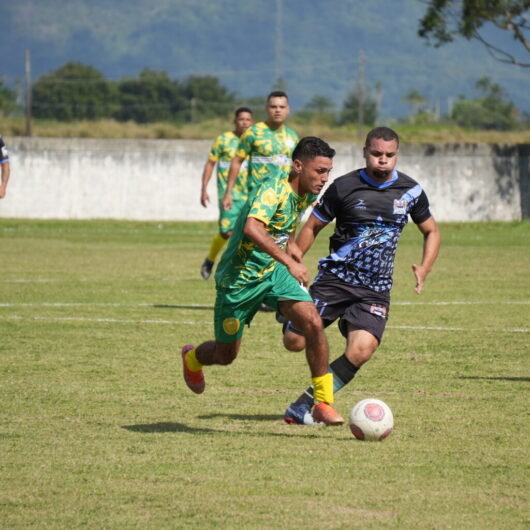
280,208
222,152
268,151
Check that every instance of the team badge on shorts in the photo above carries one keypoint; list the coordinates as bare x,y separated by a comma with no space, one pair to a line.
231,325
379,310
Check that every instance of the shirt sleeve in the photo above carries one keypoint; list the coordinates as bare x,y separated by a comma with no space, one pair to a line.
265,203
420,211
325,208
245,143
215,150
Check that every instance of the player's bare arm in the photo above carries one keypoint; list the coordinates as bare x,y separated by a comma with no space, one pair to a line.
233,172
431,246
308,233
293,249
255,230
206,176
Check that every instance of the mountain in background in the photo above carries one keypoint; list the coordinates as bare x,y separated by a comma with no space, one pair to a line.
314,46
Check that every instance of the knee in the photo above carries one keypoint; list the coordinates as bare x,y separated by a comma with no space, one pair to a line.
361,355
293,341
226,354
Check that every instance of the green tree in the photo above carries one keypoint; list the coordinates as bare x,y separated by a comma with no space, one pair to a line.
75,91
491,112
416,100
151,97
8,99
445,19
350,110
207,98
319,109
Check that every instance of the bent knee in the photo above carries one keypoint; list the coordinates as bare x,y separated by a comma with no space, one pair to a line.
293,341
226,355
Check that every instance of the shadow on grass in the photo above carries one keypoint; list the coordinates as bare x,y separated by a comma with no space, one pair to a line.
496,378
170,427
171,306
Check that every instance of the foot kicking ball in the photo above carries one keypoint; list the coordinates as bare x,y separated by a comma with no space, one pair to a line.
371,419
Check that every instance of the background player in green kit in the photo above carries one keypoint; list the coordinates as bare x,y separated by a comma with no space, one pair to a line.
268,146
262,264
221,153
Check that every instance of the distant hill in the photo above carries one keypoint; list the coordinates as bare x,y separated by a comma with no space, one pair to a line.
313,45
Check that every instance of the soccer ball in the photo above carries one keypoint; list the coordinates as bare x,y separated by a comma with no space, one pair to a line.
371,419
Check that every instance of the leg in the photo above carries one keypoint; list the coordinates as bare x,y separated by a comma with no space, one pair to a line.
305,317
217,352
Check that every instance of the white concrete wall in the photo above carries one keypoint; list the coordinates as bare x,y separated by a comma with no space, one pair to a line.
160,179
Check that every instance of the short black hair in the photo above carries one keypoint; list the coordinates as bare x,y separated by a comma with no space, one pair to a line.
386,133
242,109
311,147
277,94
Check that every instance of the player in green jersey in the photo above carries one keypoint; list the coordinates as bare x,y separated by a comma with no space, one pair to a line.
268,146
221,153
262,263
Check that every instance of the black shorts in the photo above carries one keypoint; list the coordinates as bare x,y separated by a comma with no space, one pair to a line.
362,308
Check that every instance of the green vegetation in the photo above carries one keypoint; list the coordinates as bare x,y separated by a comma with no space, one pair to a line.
98,429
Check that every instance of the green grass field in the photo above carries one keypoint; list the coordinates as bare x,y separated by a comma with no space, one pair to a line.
98,429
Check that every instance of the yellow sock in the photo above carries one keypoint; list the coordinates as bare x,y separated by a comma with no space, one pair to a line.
323,388
191,361
218,242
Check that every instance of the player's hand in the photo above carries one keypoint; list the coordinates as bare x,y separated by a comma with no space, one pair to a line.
227,201
299,271
205,199
293,250
420,273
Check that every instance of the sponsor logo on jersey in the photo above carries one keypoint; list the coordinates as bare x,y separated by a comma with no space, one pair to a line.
360,204
400,207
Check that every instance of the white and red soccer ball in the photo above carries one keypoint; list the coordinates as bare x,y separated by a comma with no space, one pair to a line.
371,419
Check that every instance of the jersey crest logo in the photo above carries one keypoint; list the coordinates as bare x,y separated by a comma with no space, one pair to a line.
400,207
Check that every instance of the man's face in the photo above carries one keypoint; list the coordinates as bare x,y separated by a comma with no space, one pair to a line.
381,158
277,110
242,122
314,173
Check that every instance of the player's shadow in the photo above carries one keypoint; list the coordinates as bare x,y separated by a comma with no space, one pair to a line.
242,417
178,306
175,427
494,378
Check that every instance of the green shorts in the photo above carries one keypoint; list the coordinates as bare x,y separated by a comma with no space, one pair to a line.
236,307
228,218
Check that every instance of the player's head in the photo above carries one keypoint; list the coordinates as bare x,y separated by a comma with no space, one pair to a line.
381,153
312,164
243,119
277,108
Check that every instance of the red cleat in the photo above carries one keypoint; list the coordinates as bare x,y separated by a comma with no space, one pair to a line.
194,380
324,413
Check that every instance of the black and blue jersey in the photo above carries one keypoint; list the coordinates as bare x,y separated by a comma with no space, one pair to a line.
4,155
370,217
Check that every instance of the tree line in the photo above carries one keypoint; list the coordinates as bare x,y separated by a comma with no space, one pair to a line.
76,91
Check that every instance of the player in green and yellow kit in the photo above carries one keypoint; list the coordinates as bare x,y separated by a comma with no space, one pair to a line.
267,145
262,263
221,153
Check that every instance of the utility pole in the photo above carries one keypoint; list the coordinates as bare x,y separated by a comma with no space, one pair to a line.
27,70
278,63
361,97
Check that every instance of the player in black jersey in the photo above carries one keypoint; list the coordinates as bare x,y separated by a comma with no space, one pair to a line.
371,207
4,161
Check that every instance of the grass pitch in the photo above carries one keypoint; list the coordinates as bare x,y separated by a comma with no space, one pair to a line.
98,429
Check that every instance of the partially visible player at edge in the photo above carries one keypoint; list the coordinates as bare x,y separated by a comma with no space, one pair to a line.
256,267
6,170
371,207
268,145
221,153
